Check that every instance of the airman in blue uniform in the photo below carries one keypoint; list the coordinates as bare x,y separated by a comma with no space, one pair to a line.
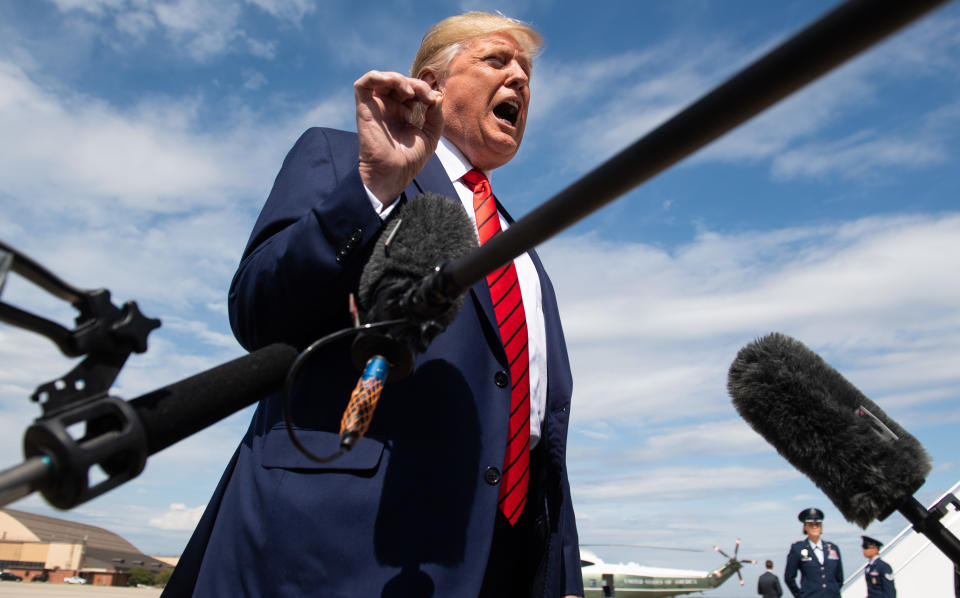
879,574
818,561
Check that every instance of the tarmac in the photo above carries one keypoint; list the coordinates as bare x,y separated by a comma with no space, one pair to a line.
21,589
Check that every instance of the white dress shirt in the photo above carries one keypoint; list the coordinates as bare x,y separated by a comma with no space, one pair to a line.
818,550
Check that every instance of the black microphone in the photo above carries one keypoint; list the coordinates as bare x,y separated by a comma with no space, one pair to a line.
865,463
121,434
174,412
418,238
826,428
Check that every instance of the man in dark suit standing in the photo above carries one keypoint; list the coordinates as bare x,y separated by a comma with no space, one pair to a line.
818,561
460,486
878,573
768,585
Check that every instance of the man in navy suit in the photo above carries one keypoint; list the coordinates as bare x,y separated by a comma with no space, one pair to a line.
768,586
412,510
818,561
878,573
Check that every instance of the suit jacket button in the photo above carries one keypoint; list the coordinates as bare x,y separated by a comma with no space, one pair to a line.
492,476
501,379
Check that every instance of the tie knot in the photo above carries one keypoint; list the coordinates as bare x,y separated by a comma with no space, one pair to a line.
474,179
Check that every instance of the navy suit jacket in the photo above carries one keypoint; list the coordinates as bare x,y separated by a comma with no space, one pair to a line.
409,511
768,586
816,580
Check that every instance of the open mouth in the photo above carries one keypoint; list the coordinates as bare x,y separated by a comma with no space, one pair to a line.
507,111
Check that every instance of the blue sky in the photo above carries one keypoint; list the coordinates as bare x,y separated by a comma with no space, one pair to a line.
140,140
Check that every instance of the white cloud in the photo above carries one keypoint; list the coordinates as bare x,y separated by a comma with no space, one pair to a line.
59,142
136,23
178,517
669,323
679,483
801,115
152,158
861,155
96,7
610,101
206,28
730,437
253,79
203,29
719,284
795,134
26,361
201,330
289,10
262,49
556,85
760,507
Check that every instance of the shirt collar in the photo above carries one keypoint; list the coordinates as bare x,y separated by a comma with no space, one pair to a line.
454,162
818,544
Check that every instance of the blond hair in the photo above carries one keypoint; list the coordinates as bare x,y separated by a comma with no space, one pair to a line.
442,42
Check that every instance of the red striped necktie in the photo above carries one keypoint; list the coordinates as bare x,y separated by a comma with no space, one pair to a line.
508,308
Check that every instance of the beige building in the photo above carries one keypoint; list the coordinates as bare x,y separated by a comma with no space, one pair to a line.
32,545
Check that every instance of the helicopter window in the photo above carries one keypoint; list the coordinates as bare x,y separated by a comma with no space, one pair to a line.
584,563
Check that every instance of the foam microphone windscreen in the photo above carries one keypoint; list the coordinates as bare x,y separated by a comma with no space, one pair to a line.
419,235
863,461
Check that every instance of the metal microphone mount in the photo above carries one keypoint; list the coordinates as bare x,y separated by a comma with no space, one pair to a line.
105,335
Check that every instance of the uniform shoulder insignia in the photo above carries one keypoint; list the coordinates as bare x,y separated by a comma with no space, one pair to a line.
889,576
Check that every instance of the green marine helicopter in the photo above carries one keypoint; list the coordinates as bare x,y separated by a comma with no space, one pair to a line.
607,580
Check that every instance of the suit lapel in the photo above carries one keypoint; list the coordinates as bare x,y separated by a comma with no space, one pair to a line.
433,179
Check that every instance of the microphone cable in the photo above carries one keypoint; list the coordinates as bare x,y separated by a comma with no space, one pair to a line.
348,435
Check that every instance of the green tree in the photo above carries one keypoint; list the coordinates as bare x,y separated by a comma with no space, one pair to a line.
161,579
140,575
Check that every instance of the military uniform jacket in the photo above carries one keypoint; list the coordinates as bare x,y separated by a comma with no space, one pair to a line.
879,576
816,580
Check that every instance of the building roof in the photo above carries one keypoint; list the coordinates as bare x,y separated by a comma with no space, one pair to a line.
103,549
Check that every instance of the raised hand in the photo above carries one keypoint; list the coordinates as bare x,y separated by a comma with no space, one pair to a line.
399,122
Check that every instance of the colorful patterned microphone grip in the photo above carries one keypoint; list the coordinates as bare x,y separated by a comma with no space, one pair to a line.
363,401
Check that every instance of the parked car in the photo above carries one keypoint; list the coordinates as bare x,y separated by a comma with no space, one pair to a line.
75,579
9,576
41,577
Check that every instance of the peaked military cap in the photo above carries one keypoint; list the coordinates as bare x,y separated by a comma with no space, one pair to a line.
868,542
810,515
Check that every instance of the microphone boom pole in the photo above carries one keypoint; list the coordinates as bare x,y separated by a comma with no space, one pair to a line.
823,45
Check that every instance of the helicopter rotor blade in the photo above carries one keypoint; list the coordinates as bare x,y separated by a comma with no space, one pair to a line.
644,546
